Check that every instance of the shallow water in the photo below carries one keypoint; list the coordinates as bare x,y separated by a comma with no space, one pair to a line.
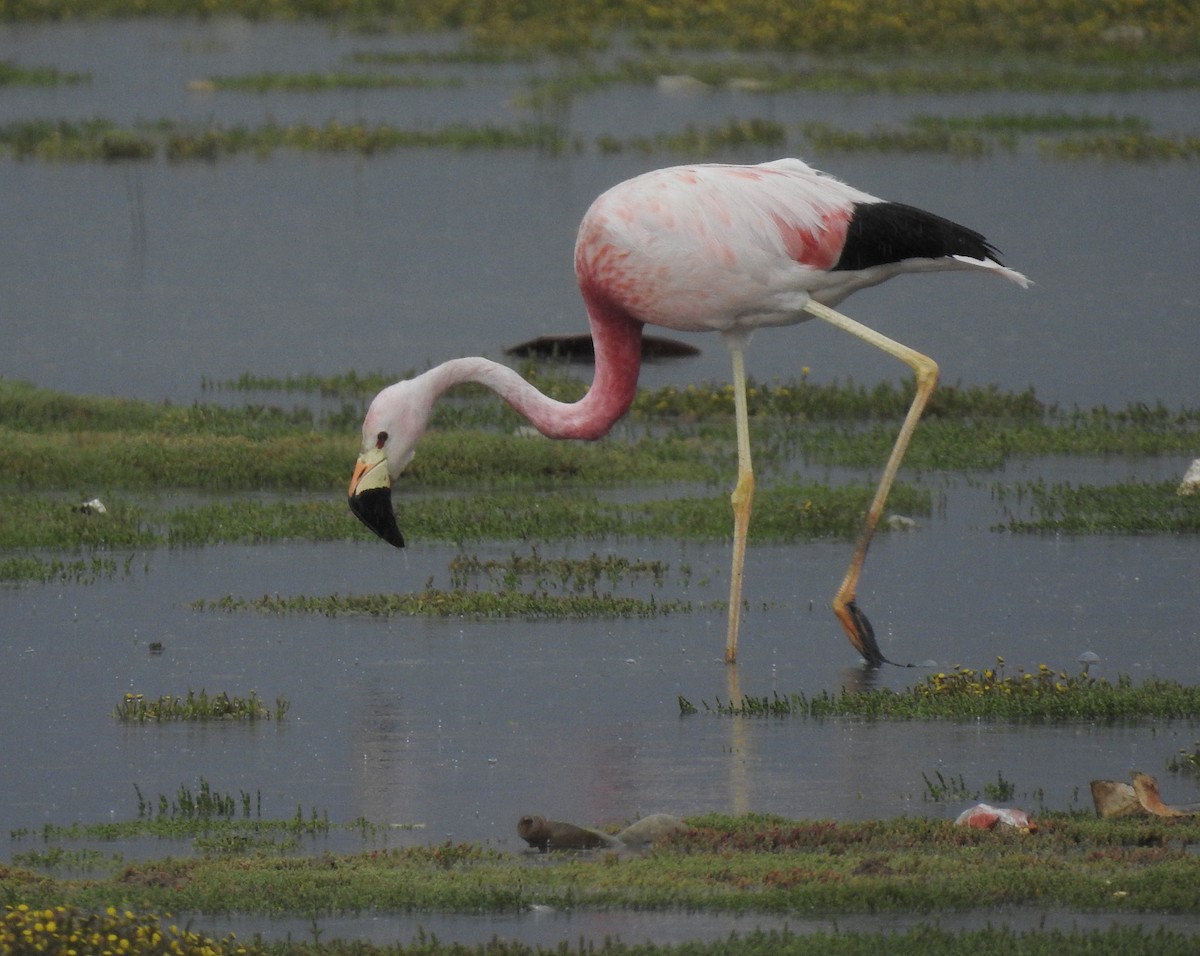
460,727
143,279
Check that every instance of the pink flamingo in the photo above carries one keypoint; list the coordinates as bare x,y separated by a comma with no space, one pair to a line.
719,248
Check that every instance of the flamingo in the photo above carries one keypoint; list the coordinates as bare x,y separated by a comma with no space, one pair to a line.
719,248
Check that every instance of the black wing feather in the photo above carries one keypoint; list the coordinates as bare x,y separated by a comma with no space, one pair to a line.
885,232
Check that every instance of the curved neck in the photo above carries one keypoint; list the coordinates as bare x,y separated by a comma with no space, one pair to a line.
618,347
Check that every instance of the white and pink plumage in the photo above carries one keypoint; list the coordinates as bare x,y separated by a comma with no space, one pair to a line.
717,248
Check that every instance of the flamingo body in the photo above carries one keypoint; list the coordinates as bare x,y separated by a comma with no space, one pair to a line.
699,248
731,248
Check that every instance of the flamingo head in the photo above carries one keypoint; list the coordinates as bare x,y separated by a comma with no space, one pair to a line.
390,431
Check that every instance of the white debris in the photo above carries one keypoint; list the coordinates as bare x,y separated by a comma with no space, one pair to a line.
1191,480
680,83
93,507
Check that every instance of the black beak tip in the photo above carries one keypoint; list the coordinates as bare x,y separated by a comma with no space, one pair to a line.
374,509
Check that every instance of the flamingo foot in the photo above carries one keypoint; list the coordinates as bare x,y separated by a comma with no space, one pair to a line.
860,632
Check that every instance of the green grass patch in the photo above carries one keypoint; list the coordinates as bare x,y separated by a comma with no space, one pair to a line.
137,708
13,75
1064,28
102,140
561,573
351,384
1109,137
701,140
433,602
1137,146
25,568
61,450
987,694
833,74
752,864
217,822
1130,507
825,138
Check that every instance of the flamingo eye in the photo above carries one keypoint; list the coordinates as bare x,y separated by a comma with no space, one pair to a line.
381,439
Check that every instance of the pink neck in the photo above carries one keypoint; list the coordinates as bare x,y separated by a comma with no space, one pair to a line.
618,344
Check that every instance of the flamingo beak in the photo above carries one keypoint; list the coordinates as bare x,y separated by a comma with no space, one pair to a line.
371,496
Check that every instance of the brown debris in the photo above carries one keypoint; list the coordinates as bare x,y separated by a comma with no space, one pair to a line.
1114,799
543,834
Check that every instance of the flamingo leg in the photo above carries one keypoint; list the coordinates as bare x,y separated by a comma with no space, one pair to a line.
854,621
741,499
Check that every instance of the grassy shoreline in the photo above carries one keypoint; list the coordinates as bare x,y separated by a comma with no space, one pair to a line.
479,476
751,864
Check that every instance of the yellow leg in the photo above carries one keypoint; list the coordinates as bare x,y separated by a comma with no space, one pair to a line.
854,621
742,499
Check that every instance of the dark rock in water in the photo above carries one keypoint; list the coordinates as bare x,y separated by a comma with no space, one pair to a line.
544,835
579,348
